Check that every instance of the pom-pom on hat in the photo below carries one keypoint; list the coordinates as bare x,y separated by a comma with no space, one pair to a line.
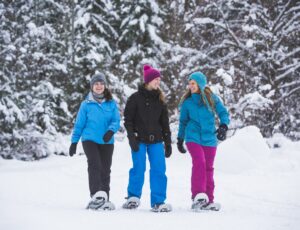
150,73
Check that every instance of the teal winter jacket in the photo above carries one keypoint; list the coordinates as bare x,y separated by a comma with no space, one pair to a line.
197,122
94,119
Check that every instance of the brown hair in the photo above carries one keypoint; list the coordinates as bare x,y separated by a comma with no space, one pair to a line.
107,94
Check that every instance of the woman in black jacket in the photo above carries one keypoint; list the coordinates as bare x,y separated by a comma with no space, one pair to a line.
147,125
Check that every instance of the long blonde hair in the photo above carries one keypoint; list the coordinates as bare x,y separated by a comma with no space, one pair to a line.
208,93
161,94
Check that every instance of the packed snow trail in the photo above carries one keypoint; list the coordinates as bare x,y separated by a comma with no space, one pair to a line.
264,194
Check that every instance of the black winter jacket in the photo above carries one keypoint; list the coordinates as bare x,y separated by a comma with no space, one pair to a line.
146,117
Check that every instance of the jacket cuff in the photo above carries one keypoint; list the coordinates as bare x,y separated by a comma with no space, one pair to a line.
167,138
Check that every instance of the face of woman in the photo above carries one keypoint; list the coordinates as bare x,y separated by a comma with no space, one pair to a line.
154,84
193,86
98,87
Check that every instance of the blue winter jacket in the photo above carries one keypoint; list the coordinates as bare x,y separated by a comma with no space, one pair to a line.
94,119
197,123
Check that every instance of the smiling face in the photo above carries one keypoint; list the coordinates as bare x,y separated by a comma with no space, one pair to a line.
154,84
98,87
193,86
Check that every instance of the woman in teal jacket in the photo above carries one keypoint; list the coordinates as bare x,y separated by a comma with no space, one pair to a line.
97,121
197,128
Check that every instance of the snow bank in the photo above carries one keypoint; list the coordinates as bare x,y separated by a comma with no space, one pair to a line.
285,154
245,150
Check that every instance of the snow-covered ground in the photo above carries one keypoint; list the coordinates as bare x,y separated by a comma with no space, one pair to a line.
258,187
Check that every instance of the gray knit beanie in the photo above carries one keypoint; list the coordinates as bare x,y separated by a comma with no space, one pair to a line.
98,77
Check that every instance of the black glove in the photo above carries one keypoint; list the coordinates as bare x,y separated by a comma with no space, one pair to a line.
168,150
221,132
134,144
108,135
72,149
180,145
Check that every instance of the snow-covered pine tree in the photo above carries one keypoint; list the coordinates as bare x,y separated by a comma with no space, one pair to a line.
28,115
10,113
176,46
93,41
139,24
252,47
49,49
279,32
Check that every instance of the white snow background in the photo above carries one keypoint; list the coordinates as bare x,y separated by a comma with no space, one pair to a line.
258,187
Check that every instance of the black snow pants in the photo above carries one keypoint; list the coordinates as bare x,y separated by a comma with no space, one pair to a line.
99,159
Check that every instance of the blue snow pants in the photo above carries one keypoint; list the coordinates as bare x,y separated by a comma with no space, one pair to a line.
158,178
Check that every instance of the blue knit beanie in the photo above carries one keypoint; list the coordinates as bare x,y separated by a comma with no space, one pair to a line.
200,78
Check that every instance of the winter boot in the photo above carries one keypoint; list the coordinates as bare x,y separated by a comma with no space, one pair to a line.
212,207
131,203
199,201
97,201
161,208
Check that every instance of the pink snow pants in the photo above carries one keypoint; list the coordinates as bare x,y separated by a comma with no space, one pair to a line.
202,169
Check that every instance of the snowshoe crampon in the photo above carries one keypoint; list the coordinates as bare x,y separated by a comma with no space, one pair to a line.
212,207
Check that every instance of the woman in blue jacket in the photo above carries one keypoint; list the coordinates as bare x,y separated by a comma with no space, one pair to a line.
96,123
199,105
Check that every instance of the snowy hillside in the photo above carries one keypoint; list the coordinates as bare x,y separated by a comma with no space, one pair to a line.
258,188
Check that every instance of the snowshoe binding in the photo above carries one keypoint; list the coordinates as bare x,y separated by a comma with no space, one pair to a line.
131,203
97,201
161,208
199,202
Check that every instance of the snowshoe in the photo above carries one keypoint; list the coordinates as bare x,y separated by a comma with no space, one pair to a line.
212,207
97,201
200,201
107,206
162,208
132,203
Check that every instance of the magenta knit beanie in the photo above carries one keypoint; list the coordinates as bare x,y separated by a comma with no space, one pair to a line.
150,73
